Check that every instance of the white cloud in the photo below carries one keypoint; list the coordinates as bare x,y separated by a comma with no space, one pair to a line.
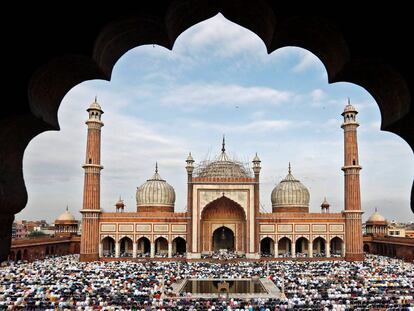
317,95
193,95
217,36
307,61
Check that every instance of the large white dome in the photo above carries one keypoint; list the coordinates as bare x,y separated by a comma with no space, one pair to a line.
376,217
66,216
155,192
290,192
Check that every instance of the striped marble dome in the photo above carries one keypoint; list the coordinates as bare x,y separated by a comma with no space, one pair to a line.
155,192
290,192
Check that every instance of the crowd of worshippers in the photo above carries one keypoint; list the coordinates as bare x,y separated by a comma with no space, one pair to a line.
65,283
223,255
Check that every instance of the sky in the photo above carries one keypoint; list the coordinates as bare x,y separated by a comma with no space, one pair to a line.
218,79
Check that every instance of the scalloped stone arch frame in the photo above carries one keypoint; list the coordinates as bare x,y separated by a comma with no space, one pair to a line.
352,48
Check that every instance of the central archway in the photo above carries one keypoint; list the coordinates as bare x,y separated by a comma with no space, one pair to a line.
223,238
223,226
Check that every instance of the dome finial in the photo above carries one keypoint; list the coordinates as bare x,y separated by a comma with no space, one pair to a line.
96,99
223,145
289,169
156,167
67,208
349,101
376,210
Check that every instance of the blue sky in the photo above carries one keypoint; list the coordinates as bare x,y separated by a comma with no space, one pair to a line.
218,79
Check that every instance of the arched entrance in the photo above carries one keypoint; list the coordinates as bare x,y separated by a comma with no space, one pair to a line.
108,247
223,226
223,238
161,247
366,248
125,247
301,247
144,247
336,247
319,247
267,247
19,255
179,246
284,247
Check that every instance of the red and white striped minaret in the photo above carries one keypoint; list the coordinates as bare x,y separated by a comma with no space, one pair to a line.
351,168
92,186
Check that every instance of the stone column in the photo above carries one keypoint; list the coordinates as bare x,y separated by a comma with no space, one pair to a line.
117,249
343,249
100,249
169,250
134,249
293,249
310,249
152,250
327,249
276,249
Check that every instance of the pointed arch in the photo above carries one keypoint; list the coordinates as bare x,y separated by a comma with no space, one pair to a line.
108,246
143,246
267,247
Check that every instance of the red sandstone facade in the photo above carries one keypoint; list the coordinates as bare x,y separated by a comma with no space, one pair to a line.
222,211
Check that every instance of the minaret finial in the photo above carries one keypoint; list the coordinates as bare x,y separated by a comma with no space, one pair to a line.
96,99
289,169
67,208
156,167
223,146
376,210
349,101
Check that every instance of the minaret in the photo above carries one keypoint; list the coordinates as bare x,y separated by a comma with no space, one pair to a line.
92,186
256,170
190,168
351,168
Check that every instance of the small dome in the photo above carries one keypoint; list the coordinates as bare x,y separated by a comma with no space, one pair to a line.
95,106
66,216
120,203
349,108
190,158
155,192
256,158
376,217
290,192
325,203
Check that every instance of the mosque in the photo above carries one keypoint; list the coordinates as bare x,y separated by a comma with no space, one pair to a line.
222,210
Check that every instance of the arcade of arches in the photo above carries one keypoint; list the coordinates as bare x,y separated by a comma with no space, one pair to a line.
39,248
302,247
142,247
397,247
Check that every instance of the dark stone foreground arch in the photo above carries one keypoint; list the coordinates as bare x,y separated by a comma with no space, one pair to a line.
55,48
